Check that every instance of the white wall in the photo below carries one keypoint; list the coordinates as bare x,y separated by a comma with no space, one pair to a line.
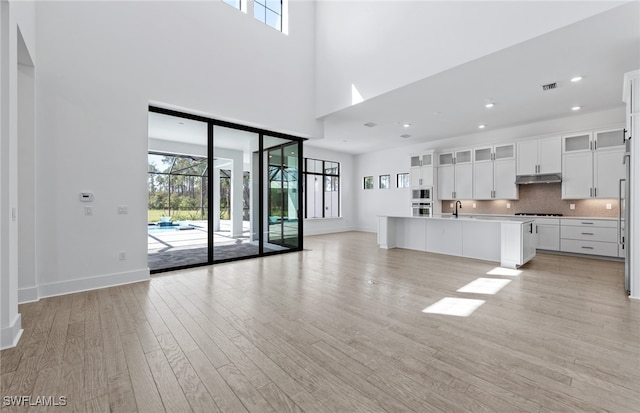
14,17
373,202
347,220
378,46
100,65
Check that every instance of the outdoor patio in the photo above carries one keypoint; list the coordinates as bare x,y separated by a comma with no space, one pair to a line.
186,244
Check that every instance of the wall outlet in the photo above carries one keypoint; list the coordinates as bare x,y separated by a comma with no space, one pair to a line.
608,206
122,256
450,204
88,210
508,205
123,209
473,205
572,206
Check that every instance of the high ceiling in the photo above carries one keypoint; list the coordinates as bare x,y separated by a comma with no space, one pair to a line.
452,103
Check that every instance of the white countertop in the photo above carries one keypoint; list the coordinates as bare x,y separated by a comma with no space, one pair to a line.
470,217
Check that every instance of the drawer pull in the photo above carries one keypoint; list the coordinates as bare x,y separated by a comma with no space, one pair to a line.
587,233
588,223
588,248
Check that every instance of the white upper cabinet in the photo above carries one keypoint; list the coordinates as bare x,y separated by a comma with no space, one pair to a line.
455,175
592,164
608,169
494,172
422,170
463,175
542,156
577,176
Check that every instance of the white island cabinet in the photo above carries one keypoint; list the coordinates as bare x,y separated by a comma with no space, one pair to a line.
507,240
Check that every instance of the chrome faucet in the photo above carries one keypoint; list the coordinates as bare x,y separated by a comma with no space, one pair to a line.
455,213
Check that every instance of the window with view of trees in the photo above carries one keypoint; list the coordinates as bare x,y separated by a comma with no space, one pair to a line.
177,187
402,180
322,192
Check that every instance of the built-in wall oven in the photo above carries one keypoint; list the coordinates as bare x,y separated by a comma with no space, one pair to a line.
421,194
421,209
421,202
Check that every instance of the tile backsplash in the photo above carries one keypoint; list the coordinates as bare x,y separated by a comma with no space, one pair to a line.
541,198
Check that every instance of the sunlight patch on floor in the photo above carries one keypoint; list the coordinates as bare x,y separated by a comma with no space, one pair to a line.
484,286
504,272
459,307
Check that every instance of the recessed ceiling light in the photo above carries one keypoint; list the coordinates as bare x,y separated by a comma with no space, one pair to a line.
576,79
489,105
576,108
406,125
482,126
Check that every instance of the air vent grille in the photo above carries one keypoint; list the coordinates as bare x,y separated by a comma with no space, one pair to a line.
550,86
369,124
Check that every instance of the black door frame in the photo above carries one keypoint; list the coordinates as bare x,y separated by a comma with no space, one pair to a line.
261,177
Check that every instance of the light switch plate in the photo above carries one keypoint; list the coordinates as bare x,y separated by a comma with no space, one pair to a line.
608,206
572,206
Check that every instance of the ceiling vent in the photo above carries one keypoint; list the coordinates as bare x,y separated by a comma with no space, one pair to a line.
405,136
550,86
369,124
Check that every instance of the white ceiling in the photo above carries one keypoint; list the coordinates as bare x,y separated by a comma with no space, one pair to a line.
176,129
452,103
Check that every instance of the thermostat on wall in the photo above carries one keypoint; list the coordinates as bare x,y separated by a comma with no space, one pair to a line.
86,196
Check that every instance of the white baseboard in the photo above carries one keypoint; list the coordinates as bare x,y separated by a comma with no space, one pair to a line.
9,336
92,283
27,295
327,231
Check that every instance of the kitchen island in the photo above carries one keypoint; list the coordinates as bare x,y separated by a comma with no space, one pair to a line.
511,241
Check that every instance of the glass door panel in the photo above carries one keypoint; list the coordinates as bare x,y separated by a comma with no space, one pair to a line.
178,209
235,222
282,193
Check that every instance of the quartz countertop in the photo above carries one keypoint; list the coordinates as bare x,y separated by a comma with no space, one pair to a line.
471,217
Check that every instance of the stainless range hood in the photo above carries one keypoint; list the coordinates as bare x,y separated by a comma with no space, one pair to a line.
538,179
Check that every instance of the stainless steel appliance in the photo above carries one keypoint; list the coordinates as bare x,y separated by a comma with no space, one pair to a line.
421,195
624,216
421,209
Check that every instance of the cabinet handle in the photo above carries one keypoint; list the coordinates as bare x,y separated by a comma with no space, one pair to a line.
595,192
587,233
590,192
588,248
587,223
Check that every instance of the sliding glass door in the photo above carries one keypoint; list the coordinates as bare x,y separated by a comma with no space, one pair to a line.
233,198
283,203
220,191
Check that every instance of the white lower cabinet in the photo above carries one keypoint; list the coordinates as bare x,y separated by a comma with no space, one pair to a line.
589,236
548,233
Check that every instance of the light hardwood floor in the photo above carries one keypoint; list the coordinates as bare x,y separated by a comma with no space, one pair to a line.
338,327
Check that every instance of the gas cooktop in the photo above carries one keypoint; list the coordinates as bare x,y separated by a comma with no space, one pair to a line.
538,214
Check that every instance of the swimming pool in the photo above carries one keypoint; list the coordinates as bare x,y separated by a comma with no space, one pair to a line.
152,228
